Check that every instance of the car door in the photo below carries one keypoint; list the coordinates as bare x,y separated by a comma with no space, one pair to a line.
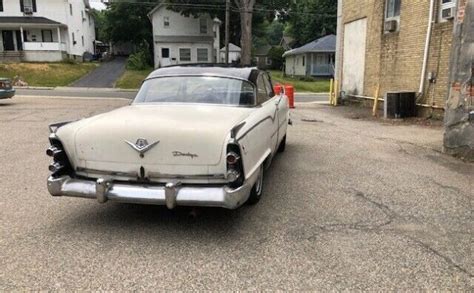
261,128
281,101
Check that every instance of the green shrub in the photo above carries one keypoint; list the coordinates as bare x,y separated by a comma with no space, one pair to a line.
139,60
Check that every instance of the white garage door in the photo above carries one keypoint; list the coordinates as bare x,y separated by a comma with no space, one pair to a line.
354,57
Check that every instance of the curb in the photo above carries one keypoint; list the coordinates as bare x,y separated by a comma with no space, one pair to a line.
92,89
33,88
309,93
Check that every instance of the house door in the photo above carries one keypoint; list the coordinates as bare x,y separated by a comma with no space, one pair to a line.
8,44
353,68
165,57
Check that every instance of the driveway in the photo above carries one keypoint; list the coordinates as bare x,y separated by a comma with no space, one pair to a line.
104,76
351,204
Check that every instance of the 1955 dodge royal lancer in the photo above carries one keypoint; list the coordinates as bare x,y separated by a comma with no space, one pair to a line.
198,135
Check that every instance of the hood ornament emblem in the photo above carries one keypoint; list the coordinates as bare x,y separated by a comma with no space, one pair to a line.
142,146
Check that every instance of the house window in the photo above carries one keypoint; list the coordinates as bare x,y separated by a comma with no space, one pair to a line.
165,53
166,21
28,6
304,60
446,10
1,5
268,61
47,36
82,38
185,54
202,55
203,25
73,39
392,9
70,9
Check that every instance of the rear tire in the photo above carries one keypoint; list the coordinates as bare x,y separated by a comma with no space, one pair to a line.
257,189
282,146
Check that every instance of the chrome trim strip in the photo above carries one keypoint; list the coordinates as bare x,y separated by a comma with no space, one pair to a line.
155,175
110,173
174,176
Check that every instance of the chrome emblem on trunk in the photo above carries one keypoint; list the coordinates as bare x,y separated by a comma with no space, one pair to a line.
142,145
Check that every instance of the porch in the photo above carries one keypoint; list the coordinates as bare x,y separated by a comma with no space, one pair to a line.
34,39
321,64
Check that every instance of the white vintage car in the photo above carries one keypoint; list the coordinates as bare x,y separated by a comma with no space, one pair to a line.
193,136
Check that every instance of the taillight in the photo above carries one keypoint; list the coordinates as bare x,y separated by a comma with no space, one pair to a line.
60,165
235,169
232,158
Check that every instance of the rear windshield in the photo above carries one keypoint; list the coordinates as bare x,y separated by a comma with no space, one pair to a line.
197,90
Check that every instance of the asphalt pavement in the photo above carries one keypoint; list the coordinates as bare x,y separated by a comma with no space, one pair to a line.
104,76
351,205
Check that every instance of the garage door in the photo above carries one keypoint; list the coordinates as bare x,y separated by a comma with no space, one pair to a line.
354,57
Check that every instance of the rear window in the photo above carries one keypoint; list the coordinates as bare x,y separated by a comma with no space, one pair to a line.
197,90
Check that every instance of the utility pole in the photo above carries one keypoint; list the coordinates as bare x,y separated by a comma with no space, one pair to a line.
227,27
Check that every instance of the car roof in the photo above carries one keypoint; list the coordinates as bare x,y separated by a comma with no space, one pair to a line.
246,73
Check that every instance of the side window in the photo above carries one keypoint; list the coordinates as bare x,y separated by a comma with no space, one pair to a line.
268,85
262,95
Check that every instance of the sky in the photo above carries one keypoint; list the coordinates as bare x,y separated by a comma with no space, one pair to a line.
97,4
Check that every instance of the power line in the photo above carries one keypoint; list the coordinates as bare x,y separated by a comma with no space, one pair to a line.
222,7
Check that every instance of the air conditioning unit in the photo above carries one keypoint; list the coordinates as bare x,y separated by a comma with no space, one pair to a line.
448,13
400,105
390,26
28,10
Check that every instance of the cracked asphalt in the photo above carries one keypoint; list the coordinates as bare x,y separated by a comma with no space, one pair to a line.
352,204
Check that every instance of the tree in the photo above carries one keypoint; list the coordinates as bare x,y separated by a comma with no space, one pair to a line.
312,19
125,22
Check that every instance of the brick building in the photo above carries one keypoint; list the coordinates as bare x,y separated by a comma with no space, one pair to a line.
391,43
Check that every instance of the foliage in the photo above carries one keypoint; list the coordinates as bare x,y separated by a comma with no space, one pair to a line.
141,59
100,24
46,74
276,54
312,85
132,79
312,19
126,22
274,32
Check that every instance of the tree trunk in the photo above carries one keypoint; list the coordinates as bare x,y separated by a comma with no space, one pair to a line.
246,37
246,14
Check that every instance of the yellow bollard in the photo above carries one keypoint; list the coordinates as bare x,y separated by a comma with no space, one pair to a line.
331,83
334,100
376,100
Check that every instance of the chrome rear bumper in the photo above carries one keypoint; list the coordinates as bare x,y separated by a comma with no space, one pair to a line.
171,194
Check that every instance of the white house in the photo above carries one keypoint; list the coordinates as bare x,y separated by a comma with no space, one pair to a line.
234,53
45,30
313,59
179,39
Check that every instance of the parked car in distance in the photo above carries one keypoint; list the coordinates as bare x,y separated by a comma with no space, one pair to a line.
198,135
6,89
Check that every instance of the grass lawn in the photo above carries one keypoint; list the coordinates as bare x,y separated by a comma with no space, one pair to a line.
132,79
316,86
46,74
